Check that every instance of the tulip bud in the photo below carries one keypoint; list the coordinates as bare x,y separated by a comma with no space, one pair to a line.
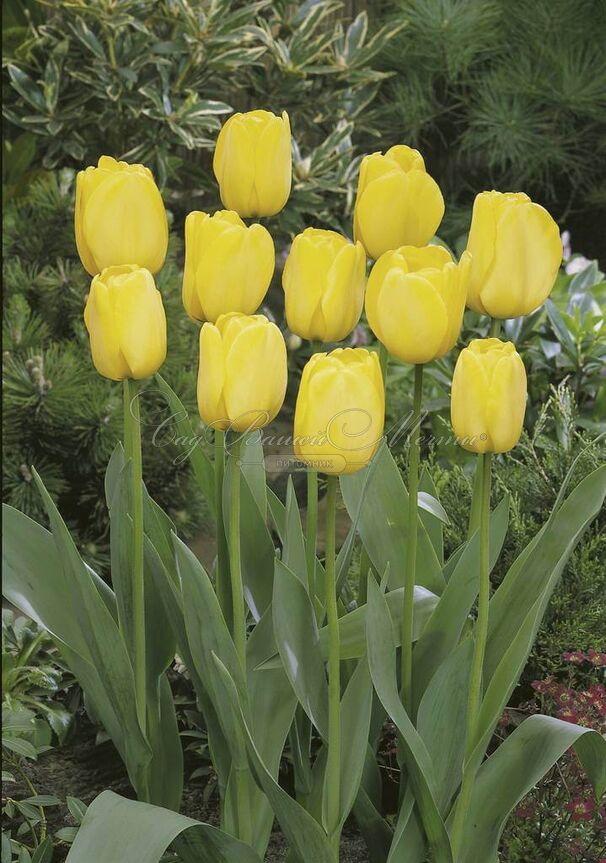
228,267
253,163
120,218
323,281
415,301
126,323
397,203
488,396
242,374
340,411
516,254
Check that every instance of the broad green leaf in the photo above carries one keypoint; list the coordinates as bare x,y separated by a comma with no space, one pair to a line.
356,707
441,720
515,768
443,630
200,462
293,553
383,521
409,844
115,828
381,651
297,639
530,574
303,833
432,520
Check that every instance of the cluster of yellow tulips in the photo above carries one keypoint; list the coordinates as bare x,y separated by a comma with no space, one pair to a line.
414,300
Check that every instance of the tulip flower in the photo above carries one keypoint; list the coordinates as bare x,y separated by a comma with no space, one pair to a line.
120,217
242,373
228,266
397,203
340,410
125,319
323,279
253,163
415,301
516,254
488,396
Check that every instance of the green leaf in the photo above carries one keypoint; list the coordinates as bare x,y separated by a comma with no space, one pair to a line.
200,462
432,520
381,651
356,707
302,832
379,495
115,828
44,851
443,630
515,768
297,639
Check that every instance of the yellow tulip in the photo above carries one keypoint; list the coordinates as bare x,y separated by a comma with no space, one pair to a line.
323,281
126,323
397,203
120,217
253,163
242,373
228,267
516,254
488,396
415,301
340,411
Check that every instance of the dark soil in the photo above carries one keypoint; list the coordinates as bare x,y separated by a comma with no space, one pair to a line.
83,769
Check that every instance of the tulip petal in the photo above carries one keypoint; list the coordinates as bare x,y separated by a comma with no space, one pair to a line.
211,378
191,301
421,258
506,402
412,317
407,158
101,324
468,403
528,253
140,322
255,375
124,222
425,208
88,262
273,166
343,297
236,182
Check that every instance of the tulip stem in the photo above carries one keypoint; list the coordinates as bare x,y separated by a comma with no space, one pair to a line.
235,568
495,328
221,580
132,434
311,528
333,763
411,546
384,361
477,664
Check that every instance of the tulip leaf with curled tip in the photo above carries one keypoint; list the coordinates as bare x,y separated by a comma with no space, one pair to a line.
532,574
298,642
443,630
200,462
303,833
114,828
383,521
515,768
352,626
381,652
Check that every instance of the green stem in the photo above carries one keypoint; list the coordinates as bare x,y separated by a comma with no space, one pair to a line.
411,547
311,528
222,574
235,568
384,361
132,432
495,328
239,625
333,764
475,681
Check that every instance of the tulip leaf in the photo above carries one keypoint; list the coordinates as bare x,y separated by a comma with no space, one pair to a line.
356,707
115,828
409,844
515,768
298,641
302,831
379,494
200,462
381,651
443,630
293,553
532,574
432,520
